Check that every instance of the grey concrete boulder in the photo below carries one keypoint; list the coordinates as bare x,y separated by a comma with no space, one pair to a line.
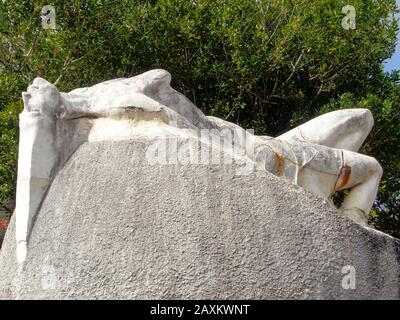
113,226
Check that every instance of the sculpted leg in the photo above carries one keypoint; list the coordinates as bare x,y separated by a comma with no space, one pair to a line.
319,183
323,171
346,130
361,174
314,167
342,129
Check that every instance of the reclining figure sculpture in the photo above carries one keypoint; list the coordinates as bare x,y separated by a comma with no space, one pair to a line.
320,155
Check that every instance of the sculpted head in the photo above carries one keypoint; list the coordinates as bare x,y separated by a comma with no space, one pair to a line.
41,96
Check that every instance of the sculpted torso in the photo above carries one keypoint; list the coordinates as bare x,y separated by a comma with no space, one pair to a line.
320,155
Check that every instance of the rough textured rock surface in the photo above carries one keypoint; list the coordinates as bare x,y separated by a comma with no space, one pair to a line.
114,226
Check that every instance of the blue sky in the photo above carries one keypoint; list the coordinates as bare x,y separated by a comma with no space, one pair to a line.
394,61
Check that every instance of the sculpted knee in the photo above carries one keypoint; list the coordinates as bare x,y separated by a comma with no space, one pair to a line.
374,167
378,169
367,119
358,119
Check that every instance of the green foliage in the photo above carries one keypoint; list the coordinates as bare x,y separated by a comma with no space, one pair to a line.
8,155
264,64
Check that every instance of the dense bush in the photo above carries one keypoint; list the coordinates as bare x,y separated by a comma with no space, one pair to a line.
266,64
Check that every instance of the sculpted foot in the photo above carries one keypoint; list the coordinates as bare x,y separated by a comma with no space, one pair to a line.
356,214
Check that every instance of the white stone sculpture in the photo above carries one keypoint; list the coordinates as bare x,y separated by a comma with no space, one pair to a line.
319,156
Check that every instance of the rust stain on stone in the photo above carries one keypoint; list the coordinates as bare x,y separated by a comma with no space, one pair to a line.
3,224
279,161
344,177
